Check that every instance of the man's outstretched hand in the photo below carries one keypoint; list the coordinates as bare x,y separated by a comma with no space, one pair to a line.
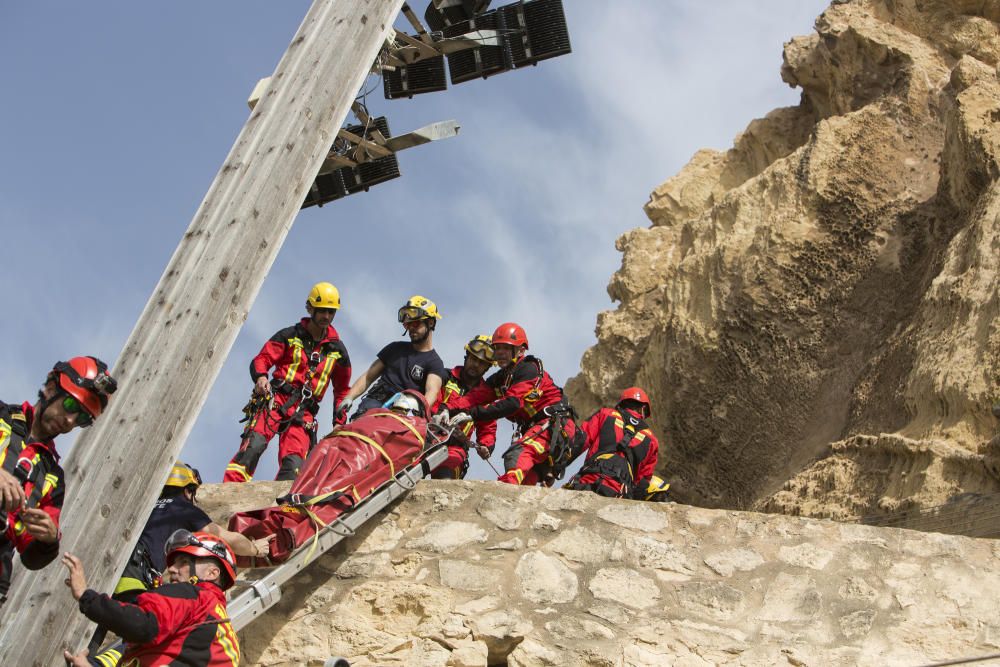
76,581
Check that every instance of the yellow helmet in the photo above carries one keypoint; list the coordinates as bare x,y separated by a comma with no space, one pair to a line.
418,308
183,475
481,347
324,295
657,489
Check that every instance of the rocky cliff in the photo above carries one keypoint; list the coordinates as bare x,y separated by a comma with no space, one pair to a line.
814,312
469,574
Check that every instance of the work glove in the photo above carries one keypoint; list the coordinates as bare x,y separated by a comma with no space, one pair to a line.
441,418
483,451
459,419
345,406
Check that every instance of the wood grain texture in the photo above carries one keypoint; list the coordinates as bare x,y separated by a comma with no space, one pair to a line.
170,361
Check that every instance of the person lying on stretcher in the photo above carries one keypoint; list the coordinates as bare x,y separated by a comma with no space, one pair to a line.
342,469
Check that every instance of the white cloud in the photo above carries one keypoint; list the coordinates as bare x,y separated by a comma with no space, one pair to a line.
114,134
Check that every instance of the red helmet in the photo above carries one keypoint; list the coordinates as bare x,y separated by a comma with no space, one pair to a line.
203,545
635,394
510,333
87,380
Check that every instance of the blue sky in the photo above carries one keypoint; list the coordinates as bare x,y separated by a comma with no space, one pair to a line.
117,115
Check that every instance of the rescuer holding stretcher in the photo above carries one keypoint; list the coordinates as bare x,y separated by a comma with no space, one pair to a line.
306,357
401,365
463,379
547,438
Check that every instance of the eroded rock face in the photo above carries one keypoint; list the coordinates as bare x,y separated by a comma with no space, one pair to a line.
830,279
669,585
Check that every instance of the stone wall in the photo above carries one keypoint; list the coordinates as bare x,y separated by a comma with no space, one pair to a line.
477,573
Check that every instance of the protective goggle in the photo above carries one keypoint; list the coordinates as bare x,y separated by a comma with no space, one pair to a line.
403,403
481,349
184,538
74,407
412,313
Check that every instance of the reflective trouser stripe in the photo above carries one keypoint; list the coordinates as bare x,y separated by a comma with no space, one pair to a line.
239,470
109,658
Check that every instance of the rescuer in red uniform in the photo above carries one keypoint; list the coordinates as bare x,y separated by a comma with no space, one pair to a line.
306,357
32,483
463,379
183,621
621,449
547,438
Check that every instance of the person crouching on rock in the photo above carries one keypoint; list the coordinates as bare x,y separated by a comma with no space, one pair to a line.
621,449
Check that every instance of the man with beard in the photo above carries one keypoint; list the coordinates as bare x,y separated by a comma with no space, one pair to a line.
32,483
306,357
462,380
402,365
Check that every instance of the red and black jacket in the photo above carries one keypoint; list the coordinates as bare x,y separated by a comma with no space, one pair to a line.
36,466
452,391
301,362
621,454
519,392
175,624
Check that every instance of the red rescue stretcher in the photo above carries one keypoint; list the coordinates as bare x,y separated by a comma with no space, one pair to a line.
342,470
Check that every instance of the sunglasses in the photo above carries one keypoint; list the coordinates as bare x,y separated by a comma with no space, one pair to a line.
74,407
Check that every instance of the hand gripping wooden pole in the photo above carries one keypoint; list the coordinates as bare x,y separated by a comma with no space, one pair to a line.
117,468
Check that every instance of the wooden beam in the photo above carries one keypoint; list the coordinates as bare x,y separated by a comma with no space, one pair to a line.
171,359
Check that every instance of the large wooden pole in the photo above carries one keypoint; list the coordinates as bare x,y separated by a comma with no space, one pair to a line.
177,348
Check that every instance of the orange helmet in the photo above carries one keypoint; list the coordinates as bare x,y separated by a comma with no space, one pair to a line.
637,395
87,380
510,333
203,545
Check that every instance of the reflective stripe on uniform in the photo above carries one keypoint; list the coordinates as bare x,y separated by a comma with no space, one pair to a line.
324,376
239,470
537,446
109,658
226,637
49,484
293,368
126,584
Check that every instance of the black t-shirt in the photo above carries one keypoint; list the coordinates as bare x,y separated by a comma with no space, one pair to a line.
168,515
405,368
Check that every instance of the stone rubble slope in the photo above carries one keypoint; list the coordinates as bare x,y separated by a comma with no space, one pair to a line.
829,284
469,574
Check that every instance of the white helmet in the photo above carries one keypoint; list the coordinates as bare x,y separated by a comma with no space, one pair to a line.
405,404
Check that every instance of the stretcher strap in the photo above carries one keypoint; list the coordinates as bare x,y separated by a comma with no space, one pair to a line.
319,524
405,423
377,447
